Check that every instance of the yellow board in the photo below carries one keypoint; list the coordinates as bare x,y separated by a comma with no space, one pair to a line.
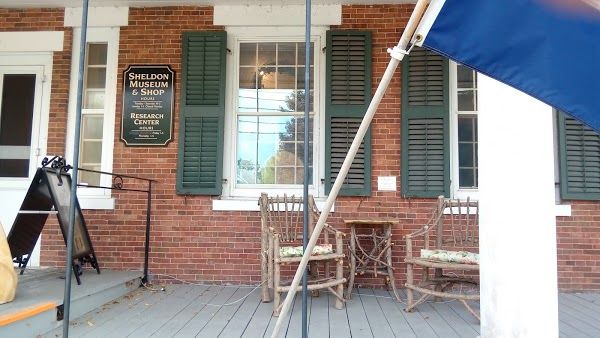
8,276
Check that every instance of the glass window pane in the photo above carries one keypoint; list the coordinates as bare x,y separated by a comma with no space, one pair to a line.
285,175
467,178
302,53
91,152
465,155
14,168
97,53
464,77
96,78
247,54
267,54
248,77
466,131
16,112
92,127
93,99
286,54
275,100
267,78
466,100
301,77
286,77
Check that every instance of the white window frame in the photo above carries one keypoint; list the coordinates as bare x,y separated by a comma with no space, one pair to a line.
456,191
237,35
94,198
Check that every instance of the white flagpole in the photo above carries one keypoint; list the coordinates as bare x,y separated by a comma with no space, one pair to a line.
397,53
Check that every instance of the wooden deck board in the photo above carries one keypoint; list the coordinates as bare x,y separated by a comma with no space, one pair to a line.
183,310
187,311
294,329
380,327
396,317
238,324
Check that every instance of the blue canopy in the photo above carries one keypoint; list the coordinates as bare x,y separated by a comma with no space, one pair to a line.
549,49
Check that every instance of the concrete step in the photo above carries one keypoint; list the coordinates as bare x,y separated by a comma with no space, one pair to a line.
39,300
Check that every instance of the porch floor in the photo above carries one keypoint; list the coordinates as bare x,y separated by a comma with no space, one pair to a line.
197,310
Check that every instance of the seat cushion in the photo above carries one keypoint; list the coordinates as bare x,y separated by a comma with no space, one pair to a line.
463,257
298,251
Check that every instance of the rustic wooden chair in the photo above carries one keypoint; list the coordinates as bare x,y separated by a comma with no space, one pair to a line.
450,243
282,224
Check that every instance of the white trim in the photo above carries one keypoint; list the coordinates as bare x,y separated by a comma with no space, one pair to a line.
101,203
42,41
276,15
247,204
110,35
98,16
258,34
562,210
455,190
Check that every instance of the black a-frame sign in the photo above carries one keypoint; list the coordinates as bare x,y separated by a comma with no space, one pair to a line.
49,192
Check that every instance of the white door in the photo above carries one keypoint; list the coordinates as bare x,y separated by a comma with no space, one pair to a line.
22,137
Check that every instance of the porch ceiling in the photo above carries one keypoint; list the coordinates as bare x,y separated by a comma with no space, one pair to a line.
154,3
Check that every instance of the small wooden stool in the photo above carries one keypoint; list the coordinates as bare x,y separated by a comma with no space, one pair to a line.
378,259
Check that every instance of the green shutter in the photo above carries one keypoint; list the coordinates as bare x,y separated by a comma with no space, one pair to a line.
425,130
579,148
202,109
348,95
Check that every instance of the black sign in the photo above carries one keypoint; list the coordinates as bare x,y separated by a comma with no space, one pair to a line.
147,118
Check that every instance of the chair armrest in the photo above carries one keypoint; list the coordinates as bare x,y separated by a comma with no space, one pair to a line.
333,230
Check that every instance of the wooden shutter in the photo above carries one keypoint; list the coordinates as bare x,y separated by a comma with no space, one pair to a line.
579,148
425,131
202,109
348,94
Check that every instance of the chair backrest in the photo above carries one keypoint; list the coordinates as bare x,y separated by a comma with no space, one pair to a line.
457,223
285,215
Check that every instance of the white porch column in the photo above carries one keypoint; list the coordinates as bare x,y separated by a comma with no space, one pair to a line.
519,296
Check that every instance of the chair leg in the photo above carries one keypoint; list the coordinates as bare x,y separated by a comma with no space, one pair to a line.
264,267
339,275
276,279
409,281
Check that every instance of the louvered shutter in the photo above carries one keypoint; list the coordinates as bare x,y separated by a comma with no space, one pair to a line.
348,94
579,160
202,109
425,116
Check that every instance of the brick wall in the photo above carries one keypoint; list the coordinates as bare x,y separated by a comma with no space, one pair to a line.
192,242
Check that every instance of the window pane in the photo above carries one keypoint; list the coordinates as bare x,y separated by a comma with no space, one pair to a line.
248,77
286,54
301,77
465,155
247,54
466,131
467,178
96,78
466,100
91,152
464,76
97,53
302,53
94,99
286,77
266,54
92,127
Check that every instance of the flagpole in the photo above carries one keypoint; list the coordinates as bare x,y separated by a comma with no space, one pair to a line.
73,202
397,53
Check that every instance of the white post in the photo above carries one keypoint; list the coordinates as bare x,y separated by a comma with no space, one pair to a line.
519,296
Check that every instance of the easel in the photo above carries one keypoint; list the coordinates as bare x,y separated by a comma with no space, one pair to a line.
49,193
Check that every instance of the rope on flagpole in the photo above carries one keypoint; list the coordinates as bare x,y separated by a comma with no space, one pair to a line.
406,38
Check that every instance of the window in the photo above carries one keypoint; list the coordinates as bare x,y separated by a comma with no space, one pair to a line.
92,118
97,113
465,179
250,137
270,115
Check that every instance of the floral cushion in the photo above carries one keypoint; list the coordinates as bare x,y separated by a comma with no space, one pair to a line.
463,257
298,251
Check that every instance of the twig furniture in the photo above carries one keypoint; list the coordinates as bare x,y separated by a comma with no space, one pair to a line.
282,224
376,256
450,241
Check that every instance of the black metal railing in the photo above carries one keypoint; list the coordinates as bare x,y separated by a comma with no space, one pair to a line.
119,182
